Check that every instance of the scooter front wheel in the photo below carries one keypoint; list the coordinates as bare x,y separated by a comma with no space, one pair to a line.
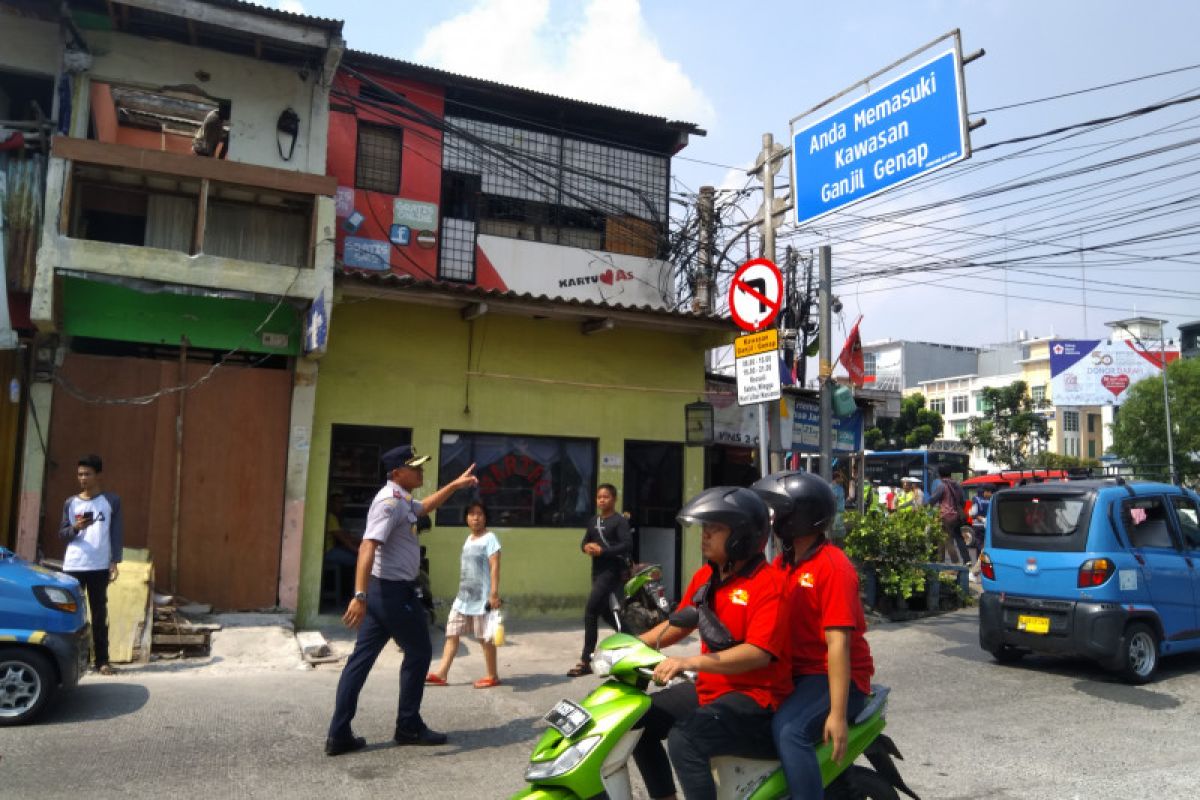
861,783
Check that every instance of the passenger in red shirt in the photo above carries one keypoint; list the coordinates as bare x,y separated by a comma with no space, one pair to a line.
743,668
831,661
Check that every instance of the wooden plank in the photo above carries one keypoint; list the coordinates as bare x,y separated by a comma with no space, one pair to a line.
219,170
201,218
184,627
181,639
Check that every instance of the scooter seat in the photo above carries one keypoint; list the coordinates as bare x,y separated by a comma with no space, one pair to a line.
878,699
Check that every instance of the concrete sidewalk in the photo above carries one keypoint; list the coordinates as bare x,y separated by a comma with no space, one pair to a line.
257,642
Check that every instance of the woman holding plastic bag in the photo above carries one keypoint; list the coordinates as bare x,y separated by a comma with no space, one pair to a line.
476,608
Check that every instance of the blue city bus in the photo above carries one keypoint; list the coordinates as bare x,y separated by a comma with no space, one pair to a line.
887,467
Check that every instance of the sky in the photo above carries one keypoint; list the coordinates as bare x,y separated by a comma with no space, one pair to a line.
1054,236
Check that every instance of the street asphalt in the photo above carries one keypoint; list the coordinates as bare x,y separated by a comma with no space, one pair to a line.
249,724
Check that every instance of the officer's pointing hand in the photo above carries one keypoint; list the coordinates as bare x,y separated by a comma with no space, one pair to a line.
467,478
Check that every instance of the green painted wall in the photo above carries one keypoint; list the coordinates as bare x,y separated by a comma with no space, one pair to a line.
110,311
403,365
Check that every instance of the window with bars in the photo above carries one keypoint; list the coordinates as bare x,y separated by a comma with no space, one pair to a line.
1038,394
457,262
870,364
1071,421
549,188
377,165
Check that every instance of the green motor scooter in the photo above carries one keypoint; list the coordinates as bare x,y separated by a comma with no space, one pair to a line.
585,752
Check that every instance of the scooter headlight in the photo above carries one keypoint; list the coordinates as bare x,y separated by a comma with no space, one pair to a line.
566,762
604,661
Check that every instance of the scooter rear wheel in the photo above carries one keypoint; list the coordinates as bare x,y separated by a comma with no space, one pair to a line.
637,619
861,783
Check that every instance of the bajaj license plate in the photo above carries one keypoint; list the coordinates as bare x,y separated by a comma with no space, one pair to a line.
568,718
1033,624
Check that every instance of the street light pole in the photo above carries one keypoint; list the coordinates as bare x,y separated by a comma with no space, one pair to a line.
1162,353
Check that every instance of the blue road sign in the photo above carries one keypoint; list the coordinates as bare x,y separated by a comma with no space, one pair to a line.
316,325
905,129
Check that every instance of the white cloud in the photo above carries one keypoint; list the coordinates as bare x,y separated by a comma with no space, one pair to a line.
605,55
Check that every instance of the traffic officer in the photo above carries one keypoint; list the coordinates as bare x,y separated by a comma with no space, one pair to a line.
387,602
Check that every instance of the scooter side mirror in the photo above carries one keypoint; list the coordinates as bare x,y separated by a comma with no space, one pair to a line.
686,617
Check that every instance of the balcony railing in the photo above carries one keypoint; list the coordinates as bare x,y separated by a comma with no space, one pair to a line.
190,204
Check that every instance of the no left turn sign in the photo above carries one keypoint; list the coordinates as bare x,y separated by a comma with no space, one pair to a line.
755,294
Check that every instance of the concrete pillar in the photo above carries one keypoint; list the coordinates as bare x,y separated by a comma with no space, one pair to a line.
33,469
304,399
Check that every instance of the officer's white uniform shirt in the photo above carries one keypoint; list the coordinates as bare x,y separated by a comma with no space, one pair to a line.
392,521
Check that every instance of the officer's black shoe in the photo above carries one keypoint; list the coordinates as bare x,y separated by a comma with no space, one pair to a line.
335,747
425,737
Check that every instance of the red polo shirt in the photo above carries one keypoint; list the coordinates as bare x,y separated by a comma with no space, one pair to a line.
752,607
823,593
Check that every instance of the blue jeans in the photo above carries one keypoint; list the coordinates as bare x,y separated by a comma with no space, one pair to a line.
799,726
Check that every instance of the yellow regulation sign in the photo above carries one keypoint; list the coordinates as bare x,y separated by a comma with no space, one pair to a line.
753,344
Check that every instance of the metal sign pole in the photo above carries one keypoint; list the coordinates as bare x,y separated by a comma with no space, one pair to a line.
826,343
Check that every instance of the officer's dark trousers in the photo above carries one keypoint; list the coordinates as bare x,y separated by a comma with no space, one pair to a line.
604,585
393,612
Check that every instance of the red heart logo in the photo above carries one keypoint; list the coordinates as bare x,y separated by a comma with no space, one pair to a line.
606,277
1115,383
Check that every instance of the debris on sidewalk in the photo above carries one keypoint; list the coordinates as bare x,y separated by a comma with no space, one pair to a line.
314,649
176,636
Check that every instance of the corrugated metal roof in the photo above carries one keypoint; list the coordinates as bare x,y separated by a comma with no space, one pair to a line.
327,23
387,63
471,292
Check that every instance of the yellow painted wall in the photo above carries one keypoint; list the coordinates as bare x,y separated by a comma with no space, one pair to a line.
404,365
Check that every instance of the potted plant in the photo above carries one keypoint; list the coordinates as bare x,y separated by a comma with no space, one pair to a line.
891,550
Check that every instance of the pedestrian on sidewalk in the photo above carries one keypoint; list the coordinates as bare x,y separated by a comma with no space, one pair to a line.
609,542
478,595
94,528
947,497
387,602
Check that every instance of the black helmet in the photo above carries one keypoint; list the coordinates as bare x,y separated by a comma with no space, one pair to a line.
803,503
742,510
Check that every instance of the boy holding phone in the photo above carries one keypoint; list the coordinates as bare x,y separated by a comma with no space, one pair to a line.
94,529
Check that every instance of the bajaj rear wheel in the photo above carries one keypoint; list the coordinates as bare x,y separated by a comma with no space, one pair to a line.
1139,653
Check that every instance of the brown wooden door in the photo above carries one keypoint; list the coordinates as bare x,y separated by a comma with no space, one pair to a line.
233,462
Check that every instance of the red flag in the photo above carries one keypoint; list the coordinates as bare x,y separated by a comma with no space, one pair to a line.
852,356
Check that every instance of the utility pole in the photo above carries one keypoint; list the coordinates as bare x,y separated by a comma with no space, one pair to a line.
703,302
1162,354
768,164
825,289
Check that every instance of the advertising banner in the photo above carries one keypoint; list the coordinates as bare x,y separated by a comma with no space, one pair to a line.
806,429
738,425
1097,372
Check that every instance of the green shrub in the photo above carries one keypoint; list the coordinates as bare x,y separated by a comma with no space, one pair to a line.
894,545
